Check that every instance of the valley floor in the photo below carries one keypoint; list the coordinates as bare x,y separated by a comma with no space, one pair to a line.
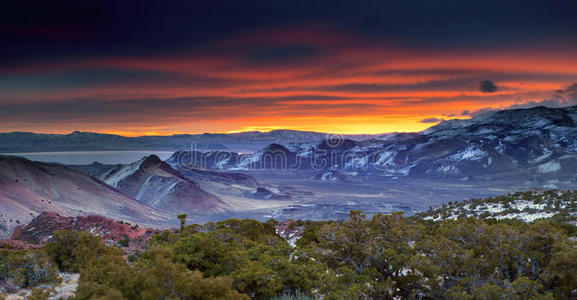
321,200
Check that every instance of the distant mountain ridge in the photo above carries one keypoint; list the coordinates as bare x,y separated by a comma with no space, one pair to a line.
88,141
538,144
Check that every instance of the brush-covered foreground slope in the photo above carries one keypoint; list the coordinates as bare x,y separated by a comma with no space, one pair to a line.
524,206
383,257
155,183
28,188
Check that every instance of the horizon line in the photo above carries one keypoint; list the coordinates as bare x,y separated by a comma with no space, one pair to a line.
151,134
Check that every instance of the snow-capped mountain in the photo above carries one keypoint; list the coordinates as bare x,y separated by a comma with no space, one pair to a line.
272,157
157,184
537,143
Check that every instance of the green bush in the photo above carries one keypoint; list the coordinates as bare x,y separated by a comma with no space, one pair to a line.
27,268
383,257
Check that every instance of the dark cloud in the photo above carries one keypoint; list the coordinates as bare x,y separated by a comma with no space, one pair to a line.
33,31
85,78
487,86
281,54
431,120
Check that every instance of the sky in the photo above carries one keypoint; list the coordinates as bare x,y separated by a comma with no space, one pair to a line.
164,67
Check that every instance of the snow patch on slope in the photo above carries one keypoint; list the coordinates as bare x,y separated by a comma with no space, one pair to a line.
470,153
550,167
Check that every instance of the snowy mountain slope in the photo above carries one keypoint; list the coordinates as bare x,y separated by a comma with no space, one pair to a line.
524,206
330,175
274,156
27,188
155,183
524,143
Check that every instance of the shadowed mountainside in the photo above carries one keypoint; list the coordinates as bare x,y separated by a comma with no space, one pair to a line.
27,188
155,183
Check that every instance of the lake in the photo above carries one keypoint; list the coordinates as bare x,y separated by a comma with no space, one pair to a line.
88,157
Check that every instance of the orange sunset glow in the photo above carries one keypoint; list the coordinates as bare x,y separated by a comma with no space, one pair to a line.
311,76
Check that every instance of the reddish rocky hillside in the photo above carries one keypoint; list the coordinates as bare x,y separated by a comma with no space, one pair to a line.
41,228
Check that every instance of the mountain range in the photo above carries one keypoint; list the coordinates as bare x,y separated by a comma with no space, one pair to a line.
538,144
89,141
301,172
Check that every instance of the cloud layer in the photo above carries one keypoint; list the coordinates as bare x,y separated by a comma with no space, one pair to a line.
148,67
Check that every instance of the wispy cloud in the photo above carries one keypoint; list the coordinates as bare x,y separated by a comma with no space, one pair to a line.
431,120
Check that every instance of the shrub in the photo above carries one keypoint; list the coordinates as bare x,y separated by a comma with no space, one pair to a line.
27,268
